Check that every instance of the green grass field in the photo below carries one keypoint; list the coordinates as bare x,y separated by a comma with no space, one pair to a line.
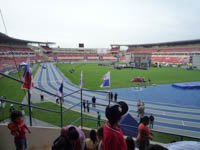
54,118
93,74
12,90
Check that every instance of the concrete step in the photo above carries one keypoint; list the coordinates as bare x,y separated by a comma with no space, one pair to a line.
42,148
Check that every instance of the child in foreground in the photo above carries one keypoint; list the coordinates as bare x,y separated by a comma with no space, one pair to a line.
17,128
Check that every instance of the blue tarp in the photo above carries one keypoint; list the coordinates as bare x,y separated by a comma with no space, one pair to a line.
129,125
187,85
183,145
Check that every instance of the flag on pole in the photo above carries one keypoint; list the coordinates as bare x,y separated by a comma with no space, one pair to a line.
60,90
81,80
106,80
27,76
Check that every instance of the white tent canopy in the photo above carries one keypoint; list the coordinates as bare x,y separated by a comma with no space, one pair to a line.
23,64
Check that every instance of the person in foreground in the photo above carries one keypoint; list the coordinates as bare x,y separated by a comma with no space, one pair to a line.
100,138
144,134
113,137
91,143
17,128
130,143
74,136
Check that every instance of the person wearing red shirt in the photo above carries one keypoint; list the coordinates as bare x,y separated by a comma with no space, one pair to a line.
113,136
18,127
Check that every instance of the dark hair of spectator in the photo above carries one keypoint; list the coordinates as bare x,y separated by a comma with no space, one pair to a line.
93,136
73,134
130,143
113,114
100,132
14,115
112,121
156,147
145,120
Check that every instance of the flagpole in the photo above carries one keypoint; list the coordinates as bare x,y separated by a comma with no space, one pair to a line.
109,96
81,108
81,86
109,89
3,22
29,104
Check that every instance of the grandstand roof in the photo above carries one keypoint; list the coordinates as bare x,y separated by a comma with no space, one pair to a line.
4,39
174,43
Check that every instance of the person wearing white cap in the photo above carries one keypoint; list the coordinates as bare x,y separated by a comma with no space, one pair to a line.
113,136
22,110
12,108
3,102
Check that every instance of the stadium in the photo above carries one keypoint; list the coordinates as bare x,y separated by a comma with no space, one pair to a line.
174,116
62,88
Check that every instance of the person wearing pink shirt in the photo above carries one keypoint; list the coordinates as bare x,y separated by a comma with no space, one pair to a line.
80,143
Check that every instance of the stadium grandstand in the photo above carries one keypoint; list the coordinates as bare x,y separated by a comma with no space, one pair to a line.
15,51
79,54
177,52
41,51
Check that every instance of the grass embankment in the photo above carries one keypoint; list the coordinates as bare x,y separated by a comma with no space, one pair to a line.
36,69
13,91
54,118
167,138
93,75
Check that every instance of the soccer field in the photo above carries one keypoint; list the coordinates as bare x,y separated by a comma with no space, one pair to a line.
93,74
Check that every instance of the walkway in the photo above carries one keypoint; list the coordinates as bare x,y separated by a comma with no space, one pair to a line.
35,122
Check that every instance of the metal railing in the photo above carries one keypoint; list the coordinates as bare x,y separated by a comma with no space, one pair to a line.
81,118
61,98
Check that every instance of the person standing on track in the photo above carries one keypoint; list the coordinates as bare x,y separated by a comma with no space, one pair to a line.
84,105
115,97
98,119
151,121
88,106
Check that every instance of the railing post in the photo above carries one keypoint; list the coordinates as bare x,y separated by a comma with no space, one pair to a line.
61,112
109,96
30,108
181,138
81,109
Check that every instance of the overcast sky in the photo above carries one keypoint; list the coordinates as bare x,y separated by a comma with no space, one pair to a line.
99,23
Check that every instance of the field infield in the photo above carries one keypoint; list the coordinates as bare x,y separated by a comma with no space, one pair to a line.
93,74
